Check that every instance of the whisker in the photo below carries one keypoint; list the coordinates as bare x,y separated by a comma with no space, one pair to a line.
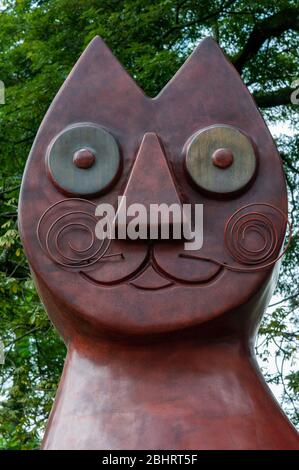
121,255
196,257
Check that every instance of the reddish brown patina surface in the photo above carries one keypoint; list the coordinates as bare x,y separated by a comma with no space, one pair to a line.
160,346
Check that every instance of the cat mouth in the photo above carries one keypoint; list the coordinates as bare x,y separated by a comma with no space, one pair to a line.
151,277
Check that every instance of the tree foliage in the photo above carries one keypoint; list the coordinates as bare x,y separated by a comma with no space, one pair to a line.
40,40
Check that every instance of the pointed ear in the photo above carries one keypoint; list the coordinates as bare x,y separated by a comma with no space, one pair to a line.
208,91
98,89
209,88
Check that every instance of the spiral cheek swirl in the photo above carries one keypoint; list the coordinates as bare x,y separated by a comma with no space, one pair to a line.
252,238
66,232
239,230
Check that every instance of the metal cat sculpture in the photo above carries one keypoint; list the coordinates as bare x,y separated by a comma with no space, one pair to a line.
159,338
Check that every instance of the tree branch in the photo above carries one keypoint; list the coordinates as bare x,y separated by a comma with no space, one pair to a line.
199,20
279,97
10,190
288,163
294,296
272,26
28,333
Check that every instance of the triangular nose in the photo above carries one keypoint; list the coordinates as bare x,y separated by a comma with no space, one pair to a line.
151,181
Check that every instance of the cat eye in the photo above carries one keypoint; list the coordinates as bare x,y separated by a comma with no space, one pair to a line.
83,160
220,160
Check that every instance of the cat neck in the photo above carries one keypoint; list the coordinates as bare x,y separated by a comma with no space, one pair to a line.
173,393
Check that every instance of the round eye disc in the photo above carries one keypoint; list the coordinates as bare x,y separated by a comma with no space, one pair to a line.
221,160
83,160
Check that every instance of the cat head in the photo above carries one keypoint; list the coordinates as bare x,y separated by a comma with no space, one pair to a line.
200,141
